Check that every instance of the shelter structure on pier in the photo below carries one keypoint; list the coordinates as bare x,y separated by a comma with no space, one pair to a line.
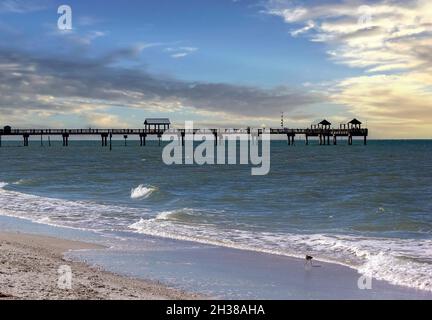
156,124
324,124
354,124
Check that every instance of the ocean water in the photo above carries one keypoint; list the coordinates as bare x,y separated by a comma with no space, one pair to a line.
367,207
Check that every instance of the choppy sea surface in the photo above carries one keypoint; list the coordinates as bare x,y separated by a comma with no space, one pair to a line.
367,207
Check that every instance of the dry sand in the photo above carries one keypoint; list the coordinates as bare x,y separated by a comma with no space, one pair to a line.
29,270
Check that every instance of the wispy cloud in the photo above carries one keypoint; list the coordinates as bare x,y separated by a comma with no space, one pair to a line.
180,52
21,6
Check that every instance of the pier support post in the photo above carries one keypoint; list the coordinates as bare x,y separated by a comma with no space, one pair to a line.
365,140
142,137
49,141
183,138
289,139
307,140
159,138
65,137
328,140
41,141
350,140
104,138
292,140
125,139
0,140
110,135
215,138
334,140
26,139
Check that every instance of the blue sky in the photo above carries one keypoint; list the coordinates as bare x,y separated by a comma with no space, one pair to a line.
216,62
234,41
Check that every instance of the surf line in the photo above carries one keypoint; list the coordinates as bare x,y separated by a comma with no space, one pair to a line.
200,147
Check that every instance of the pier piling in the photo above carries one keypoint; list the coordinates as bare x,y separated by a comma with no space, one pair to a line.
65,137
104,138
26,139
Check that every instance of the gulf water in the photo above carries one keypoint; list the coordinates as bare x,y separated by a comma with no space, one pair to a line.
368,207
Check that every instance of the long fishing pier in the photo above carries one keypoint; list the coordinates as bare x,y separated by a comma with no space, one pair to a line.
326,135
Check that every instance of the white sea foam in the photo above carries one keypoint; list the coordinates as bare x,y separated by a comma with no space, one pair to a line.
165,215
142,192
3,184
182,214
398,261
21,181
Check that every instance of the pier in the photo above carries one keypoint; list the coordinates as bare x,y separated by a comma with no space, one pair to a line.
157,127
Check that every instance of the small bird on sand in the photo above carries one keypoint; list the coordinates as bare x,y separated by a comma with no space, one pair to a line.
308,260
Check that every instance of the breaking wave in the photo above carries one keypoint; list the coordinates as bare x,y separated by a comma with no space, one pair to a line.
141,192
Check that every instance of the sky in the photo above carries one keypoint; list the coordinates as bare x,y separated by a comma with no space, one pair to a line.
225,63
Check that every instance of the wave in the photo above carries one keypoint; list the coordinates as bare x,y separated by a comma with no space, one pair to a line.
141,192
185,215
3,184
83,215
22,181
404,262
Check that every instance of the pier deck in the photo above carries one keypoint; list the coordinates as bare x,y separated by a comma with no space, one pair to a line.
324,134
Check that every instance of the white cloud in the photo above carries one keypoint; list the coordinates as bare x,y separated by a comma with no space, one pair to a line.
380,36
180,52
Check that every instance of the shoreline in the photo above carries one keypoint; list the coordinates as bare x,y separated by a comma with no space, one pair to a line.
145,267
29,269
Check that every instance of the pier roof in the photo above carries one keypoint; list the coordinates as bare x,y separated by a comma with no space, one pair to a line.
325,123
157,121
355,121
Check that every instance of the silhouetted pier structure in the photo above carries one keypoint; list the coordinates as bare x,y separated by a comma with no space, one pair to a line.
157,127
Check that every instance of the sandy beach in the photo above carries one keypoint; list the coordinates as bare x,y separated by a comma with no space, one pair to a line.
29,270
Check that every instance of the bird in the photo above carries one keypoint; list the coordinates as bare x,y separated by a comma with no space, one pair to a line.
308,259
